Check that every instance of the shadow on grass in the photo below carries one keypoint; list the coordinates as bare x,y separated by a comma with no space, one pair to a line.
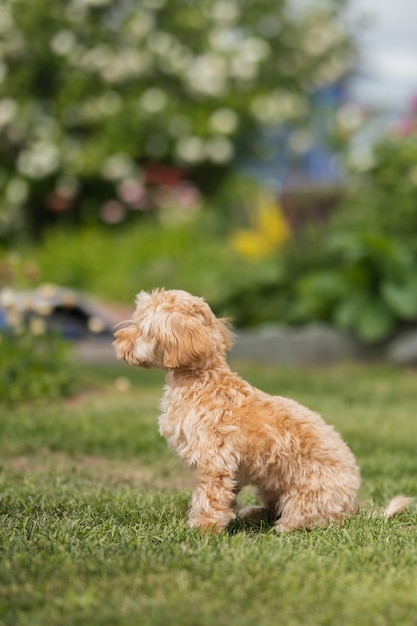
257,523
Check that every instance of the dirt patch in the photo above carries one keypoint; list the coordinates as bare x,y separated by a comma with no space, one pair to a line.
101,470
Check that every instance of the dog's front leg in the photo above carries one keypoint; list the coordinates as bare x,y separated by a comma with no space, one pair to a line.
212,504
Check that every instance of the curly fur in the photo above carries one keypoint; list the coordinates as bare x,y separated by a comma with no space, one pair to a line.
231,433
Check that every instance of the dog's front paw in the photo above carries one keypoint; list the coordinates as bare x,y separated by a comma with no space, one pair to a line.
205,526
210,523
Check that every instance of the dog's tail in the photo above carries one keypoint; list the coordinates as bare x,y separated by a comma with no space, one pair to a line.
397,505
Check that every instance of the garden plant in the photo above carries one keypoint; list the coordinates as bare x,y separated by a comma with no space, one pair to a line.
104,100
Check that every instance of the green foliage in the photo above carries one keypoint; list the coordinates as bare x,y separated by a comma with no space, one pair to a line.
383,196
367,280
33,367
96,89
360,281
370,288
359,271
116,265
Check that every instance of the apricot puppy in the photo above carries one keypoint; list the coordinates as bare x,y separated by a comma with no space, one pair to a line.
231,433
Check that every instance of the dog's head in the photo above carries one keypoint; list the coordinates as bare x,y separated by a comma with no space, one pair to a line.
172,329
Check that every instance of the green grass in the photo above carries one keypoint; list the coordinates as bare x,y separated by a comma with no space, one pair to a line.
93,508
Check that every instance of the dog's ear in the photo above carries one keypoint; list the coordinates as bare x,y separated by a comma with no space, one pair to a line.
219,328
223,325
187,341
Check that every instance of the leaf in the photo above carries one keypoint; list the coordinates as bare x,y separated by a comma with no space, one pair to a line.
375,321
328,284
316,294
401,299
347,312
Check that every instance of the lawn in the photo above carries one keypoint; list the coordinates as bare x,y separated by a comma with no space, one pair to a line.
93,506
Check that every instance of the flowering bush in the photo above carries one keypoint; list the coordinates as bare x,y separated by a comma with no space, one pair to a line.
94,90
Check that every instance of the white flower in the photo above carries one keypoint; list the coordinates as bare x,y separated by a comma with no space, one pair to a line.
128,63
246,71
178,60
153,100
224,121
208,74
250,53
39,160
8,297
63,42
118,166
350,117
8,111
224,39
97,58
278,106
254,50
190,149
170,52
219,150
17,190
225,11
160,43
110,103
361,157
6,20
141,24
333,67
321,37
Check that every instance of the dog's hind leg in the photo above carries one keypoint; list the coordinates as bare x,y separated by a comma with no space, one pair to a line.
309,509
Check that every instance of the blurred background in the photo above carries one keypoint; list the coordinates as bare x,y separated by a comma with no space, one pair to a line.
262,154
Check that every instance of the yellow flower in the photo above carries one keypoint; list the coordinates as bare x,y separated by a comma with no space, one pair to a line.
269,229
